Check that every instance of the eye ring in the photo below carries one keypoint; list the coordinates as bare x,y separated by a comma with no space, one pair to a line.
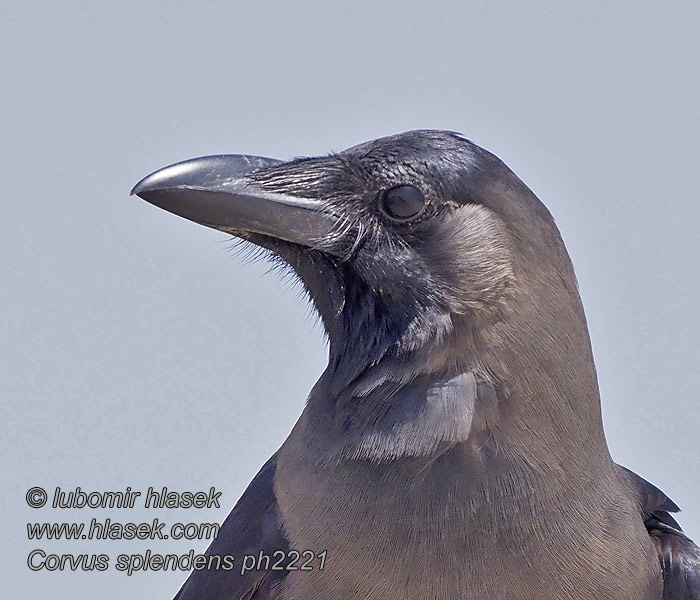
402,203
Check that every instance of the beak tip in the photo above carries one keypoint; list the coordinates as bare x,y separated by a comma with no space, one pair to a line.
140,187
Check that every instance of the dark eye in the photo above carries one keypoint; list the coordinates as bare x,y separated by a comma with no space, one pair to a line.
402,202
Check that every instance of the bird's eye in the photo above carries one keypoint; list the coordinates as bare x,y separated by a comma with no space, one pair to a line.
402,202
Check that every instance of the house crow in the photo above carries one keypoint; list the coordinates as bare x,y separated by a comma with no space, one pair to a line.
453,448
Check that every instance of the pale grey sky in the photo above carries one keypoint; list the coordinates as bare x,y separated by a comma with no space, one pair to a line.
137,350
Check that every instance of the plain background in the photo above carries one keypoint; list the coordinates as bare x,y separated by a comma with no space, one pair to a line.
137,350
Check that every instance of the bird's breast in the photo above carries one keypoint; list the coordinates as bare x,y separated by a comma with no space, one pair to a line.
419,529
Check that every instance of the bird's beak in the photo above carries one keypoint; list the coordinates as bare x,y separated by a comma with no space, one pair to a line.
213,191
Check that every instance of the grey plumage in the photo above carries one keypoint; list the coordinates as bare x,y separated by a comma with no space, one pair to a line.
453,448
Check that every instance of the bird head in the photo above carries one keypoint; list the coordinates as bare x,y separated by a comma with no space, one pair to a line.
424,255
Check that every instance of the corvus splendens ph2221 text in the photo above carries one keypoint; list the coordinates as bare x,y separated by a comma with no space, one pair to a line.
453,448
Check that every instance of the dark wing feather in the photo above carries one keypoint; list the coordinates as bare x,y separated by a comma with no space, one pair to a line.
251,527
678,555
680,561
